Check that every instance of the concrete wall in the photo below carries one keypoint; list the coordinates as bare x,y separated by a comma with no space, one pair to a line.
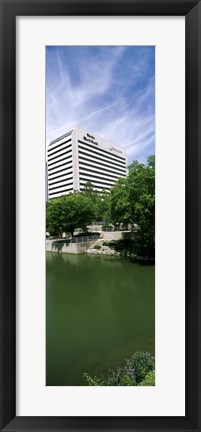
115,235
63,246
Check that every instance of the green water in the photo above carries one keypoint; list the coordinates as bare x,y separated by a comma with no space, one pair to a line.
99,311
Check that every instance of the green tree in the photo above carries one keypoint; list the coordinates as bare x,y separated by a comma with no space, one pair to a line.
141,186
54,223
100,201
102,206
120,205
69,212
89,190
133,201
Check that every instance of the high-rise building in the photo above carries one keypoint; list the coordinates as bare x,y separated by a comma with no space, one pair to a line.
80,156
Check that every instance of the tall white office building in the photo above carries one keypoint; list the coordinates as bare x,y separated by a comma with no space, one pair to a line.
80,156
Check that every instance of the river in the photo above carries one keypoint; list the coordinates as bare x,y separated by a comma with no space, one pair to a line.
99,311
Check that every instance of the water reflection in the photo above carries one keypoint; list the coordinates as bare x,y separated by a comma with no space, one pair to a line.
99,311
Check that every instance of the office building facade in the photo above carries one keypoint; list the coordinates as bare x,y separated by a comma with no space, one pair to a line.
80,156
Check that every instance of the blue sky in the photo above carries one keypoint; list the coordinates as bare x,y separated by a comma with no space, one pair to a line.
109,90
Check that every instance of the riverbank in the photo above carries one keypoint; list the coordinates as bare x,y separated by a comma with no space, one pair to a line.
111,248
103,247
93,244
82,243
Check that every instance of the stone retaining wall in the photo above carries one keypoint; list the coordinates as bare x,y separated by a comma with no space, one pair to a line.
64,246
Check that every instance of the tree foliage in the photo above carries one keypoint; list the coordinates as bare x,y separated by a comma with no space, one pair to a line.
133,201
100,201
120,205
54,222
69,212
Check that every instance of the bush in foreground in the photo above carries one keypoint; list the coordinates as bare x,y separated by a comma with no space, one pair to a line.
149,379
138,371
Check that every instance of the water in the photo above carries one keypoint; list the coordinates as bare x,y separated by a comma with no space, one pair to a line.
100,310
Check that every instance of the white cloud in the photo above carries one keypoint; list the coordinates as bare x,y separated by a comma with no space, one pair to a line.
102,102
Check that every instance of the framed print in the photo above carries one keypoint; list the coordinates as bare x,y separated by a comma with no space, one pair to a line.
91,95
81,399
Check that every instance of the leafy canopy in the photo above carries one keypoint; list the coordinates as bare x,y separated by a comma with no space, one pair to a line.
69,212
133,201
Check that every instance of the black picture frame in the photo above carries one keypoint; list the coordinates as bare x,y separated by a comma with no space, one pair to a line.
9,10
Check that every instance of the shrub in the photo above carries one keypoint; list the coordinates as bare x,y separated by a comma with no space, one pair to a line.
121,377
139,370
142,363
149,379
97,246
93,381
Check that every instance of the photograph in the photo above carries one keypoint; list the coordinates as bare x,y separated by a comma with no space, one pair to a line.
100,215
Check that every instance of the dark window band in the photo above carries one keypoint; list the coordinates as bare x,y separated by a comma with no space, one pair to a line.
58,152
102,167
57,187
59,176
55,161
101,150
58,145
61,170
98,180
58,166
66,190
109,177
112,161
60,181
